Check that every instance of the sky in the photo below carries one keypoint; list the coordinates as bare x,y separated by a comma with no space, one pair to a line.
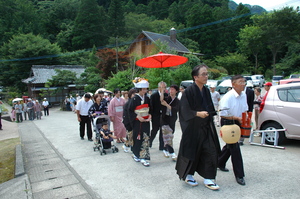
271,4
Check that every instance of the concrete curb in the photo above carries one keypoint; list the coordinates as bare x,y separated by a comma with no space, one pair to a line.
19,166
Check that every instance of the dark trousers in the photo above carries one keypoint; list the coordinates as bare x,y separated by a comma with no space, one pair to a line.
19,117
85,120
155,127
234,151
46,111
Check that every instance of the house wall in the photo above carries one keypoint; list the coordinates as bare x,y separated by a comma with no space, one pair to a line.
143,47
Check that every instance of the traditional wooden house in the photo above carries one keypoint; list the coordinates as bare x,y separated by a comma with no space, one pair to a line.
147,41
40,74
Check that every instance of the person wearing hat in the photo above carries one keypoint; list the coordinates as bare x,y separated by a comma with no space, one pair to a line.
139,117
38,110
30,108
199,145
45,105
233,104
267,87
82,110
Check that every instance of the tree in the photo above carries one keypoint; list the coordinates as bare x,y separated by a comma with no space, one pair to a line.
108,59
116,20
23,51
234,63
89,26
121,80
90,79
18,17
251,42
279,27
63,78
58,20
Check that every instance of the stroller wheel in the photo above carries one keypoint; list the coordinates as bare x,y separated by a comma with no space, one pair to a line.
116,149
94,148
113,150
100,152
104,152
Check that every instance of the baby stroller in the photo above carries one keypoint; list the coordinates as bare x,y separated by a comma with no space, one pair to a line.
100,143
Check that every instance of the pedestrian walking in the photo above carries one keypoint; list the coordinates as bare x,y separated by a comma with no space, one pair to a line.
82,110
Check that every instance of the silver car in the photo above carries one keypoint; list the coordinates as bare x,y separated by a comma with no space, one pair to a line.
281,110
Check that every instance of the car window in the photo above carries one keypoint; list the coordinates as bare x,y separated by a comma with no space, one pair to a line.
277,77
289,95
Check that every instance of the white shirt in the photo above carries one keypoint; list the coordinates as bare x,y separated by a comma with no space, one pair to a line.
236,103
179,95
84,106
45,103
215,96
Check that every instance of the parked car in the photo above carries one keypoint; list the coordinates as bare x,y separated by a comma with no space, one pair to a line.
209,83
295,76
276,79
288,81
281,110
186,83
226,85
258,80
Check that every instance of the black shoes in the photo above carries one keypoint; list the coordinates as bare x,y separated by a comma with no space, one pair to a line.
82,138
224,169
91,139
241,181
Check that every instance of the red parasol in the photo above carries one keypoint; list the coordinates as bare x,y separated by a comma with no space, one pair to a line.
161,60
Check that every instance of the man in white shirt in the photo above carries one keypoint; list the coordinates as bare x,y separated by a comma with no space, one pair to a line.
233,104
82,110
215,96
45,105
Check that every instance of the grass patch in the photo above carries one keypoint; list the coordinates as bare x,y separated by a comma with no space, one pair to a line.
7,158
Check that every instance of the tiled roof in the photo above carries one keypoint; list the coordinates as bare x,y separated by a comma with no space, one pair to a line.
41,73
177,46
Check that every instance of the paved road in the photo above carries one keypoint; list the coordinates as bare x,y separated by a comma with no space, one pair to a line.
270,173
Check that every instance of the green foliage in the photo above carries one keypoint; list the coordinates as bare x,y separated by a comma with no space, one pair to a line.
234,63
25,46
63,78
116,20
17,17
155,75
121,80
90,79
251,42
89,26
180,74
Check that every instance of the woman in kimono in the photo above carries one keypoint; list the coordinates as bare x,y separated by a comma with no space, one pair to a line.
168,119
139,117
128,143
115,112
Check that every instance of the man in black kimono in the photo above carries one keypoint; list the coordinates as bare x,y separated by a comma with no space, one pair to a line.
199,146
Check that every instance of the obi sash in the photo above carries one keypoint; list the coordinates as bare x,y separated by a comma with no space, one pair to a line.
142,110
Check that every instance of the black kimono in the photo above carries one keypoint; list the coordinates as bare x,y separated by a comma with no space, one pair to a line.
199,146
141,130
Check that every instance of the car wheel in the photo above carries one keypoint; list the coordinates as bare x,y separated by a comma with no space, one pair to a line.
270,136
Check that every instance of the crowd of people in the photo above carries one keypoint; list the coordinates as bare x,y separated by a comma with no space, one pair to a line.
29,108
200,109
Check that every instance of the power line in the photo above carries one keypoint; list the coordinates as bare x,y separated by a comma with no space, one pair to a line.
126,42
